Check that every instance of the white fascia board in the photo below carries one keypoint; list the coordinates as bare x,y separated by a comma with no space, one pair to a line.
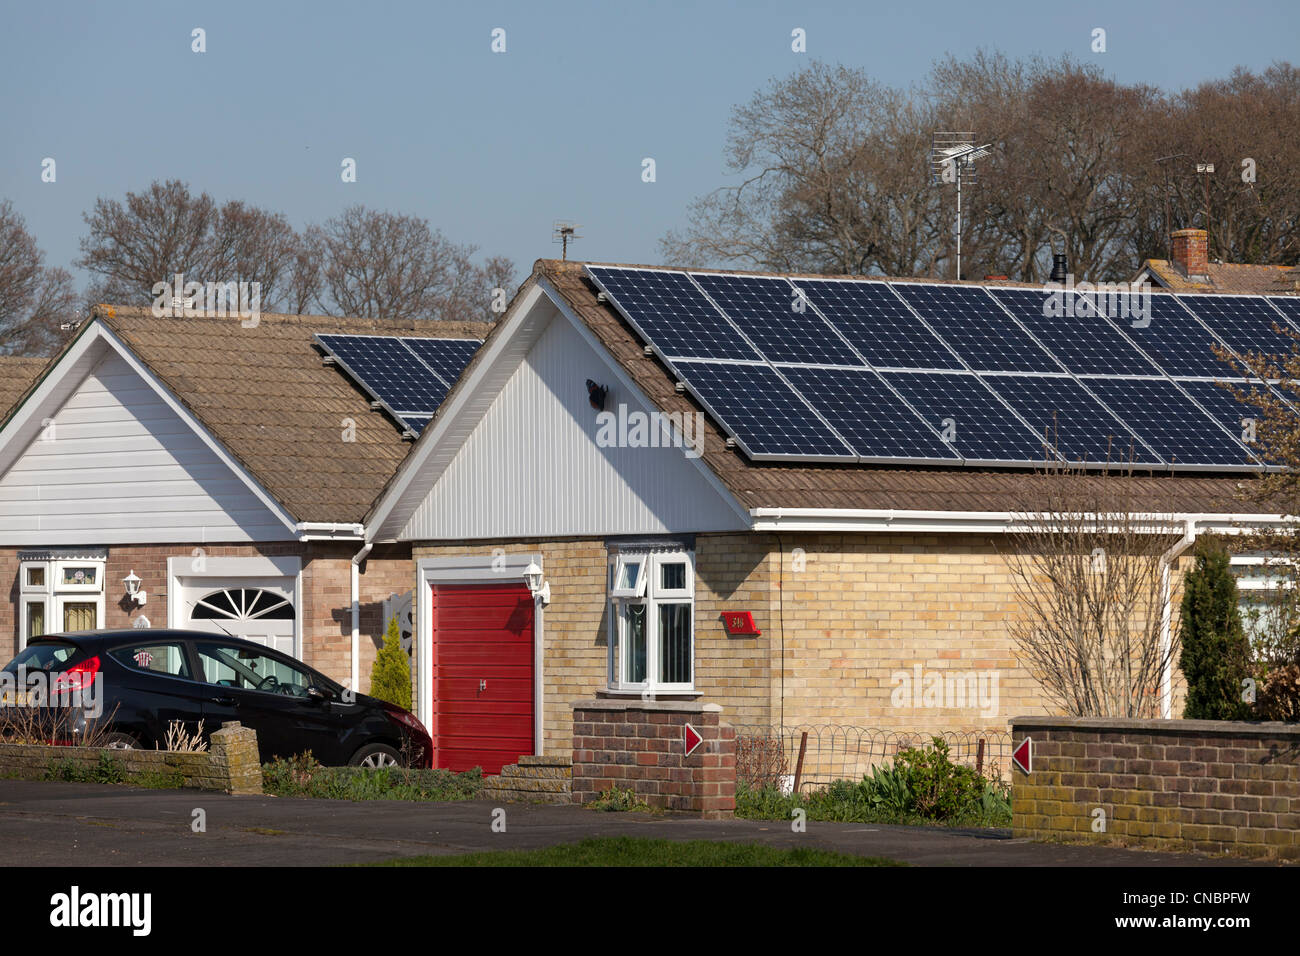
412,482
330,531
626,380
78,361
883,519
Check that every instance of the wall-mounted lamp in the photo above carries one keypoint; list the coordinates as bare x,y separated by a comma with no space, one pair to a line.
596,395
133,591
533,578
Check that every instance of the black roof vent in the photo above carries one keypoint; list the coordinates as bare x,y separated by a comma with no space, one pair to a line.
1059,269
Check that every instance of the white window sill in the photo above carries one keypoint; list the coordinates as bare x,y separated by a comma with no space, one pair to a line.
656,694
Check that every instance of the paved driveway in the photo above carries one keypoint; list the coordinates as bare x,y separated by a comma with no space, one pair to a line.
95,824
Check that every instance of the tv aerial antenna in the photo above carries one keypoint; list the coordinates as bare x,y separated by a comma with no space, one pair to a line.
952,160
564,232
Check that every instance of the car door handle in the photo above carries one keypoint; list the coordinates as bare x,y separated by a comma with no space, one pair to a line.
224,701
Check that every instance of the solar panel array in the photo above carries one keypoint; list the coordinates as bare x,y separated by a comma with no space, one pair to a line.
857,370
408,376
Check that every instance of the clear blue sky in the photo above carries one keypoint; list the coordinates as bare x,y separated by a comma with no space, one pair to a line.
491,148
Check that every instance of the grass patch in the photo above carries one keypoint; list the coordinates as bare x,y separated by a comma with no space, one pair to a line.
169,779
303,776
107,769
615,800
632,851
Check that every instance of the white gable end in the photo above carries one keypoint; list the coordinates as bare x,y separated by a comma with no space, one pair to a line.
533,467
115,464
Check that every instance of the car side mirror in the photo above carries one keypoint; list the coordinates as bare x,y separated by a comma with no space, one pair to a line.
318,695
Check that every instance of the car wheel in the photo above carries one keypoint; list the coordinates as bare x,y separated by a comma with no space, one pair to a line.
376,755
118,741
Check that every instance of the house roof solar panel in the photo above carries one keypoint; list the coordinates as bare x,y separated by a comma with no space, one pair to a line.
774,317
447,357
1170,423
1176,340
959,405
417,423
1223,407
1288,305
1245,322
977,328
869,416
670,312
1065,415
872,317
1076,331
389,370
764,414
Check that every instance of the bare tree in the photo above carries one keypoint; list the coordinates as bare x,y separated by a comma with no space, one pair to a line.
386,265
35,300
1089,573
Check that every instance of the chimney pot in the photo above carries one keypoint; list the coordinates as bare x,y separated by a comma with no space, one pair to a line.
1060,270
1190,249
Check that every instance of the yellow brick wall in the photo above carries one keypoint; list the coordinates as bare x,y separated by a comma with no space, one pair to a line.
841,616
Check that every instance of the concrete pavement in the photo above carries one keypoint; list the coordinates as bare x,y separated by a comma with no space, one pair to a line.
57,824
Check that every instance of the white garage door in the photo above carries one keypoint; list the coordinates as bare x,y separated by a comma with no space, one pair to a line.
257,609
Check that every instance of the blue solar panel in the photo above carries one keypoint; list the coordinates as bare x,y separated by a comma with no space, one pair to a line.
764,414
1244,322
1076,331
447,357
1176,341
960,407
768,311
1169,422
1061,411
388,370
878,324
870,417
976,328
670,312
1288,306
417,423
1223,407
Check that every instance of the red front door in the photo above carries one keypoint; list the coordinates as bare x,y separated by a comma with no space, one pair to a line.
482,675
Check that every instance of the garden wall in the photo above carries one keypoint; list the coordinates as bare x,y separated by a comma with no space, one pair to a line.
637,745
230,763
1216,786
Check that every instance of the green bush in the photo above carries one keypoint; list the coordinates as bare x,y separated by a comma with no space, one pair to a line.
390,677
922,786
1216,652
108,769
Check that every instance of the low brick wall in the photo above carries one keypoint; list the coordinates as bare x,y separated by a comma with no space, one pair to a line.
637,745
1215,786
230,763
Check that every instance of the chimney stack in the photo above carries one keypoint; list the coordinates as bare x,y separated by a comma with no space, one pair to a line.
1191,253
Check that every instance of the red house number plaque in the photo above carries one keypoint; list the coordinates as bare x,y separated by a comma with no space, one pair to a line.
740,622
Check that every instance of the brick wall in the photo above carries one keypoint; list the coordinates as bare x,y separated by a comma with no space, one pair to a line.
1216,786
843,617
637,745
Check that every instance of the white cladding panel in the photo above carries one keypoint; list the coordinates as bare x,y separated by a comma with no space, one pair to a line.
119,466
533,467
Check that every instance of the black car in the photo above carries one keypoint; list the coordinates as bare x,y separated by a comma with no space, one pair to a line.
151,678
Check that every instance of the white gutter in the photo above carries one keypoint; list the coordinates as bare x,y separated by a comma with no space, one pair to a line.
892,519
355,576
329,531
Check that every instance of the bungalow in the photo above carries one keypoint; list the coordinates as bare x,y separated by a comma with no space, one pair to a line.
607,504
220,468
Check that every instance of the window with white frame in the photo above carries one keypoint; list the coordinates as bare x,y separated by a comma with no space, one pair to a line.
652,615
1267,601
60,590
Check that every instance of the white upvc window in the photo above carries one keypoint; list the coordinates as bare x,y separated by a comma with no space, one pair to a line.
59,593
1265,599
652,621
